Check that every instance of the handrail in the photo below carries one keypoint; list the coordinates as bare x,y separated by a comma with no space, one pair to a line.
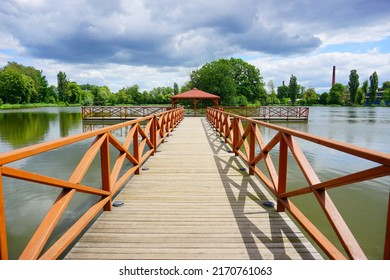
120,112
249,145
154,129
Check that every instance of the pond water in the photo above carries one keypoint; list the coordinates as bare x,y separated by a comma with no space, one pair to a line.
363,205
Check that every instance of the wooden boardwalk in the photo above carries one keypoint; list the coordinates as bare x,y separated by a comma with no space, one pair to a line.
193,202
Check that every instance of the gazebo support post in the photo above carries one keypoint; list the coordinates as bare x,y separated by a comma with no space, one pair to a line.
195,102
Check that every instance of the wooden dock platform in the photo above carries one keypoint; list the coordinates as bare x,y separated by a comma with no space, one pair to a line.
194,201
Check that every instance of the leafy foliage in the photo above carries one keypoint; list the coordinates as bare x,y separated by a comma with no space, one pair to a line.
373,88
353,85
232,79
293,89
237,82
336,94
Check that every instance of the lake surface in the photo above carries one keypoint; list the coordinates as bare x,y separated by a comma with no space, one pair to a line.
363,205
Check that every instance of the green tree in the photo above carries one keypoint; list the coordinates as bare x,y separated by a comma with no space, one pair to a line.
386,85
122,97
282,92
273,99
74,93
310,96
62,86
336,94
373,88
161,95
293,89
386,96
175,89
365,89
324,98
15,87
229,78
101,95
135,95
86,97
40,83
353,85
360,97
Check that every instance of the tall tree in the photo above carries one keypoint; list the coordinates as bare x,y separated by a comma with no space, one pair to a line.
310,96
74,93
353,85
230,79
360,97
15,87
175,88
40,83
373,89
336,94
365,89
293,89
282,92
324,98
386,85
101,95
62,86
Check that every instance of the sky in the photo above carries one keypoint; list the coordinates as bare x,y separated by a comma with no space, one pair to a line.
121,43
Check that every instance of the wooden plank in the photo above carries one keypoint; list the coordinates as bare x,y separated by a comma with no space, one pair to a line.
192,201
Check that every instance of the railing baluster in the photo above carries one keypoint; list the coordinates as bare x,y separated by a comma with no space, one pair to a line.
252,148
105,169
282,176
386,254
3,228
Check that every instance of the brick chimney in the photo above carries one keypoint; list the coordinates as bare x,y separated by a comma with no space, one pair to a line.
334,76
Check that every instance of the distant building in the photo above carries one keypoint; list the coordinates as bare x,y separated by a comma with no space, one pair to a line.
379,97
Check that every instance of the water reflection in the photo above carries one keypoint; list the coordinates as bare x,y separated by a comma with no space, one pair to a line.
68,121
22,129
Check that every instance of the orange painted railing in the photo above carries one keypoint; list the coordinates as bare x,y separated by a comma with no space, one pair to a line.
143,138
120,112
248,143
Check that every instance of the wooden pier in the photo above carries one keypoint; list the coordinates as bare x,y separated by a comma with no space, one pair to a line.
268,113
192,188
193,200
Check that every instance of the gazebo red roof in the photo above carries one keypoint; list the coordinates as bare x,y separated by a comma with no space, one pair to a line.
195,94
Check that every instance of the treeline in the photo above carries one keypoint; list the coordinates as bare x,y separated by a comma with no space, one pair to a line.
339,94
354,94
237,83
21,84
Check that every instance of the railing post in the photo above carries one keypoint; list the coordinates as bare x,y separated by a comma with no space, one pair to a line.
235,135
136,149
3,228
105,169
153,134
252,148
386,255
282,177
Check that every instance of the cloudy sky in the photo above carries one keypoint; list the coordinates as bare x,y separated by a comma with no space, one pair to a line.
121,43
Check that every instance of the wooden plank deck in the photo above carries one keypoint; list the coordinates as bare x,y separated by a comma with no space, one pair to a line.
193,202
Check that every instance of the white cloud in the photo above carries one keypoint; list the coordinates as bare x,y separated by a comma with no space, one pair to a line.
155,43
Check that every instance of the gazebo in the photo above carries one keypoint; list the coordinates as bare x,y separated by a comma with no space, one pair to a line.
195,95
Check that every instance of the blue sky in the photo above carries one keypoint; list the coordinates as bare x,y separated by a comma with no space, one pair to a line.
120,43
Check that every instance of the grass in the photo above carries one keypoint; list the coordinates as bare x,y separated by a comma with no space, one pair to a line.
34,105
